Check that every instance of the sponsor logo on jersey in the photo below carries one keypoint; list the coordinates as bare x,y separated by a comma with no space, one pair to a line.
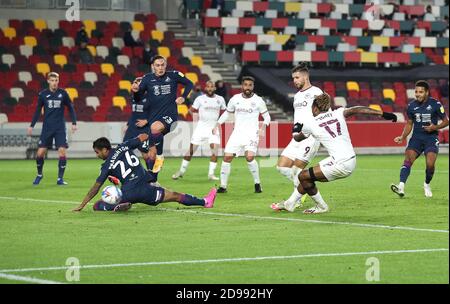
442,110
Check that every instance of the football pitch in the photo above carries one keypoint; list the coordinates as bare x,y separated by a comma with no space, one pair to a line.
369,236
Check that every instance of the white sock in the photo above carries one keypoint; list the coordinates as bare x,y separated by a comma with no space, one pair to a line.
295,196
254,170
295,172
401,185
212,168
184,166
319,200
224,174
285,171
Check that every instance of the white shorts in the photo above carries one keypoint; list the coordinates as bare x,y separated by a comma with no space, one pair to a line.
239,142
304,150
336,170
204,135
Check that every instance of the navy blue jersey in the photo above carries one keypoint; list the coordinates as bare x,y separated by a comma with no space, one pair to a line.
161,92
125,165
53,103
140,108
423,114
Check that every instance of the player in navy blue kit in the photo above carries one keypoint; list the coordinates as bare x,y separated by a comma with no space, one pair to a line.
138,122
160,89
121,165
423,115
53,100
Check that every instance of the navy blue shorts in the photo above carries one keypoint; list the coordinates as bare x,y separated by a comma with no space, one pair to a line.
423,144
47,136
133,133
144,193
169,122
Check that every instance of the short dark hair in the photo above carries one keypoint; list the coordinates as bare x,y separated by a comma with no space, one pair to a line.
301,67
154,58
101,143
322,102
424,84
250,78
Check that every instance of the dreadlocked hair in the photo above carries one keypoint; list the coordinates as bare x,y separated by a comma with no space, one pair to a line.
322,102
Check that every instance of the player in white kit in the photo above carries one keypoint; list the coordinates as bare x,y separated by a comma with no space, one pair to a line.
297,155
330,129
208,106
246,107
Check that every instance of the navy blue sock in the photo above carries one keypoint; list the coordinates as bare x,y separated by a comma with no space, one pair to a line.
405,171
102,206
429,175
189,200
39,165
61,166
155,139
159,148
149,163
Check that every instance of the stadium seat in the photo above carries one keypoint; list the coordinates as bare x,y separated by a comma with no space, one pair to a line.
92,101
30,41
53,24
89,25
118,42
197,61
16,93
26,50
137,26
73,93
25,76
157,35
410,93
40,24
183,110
375,107
123,60
187,51
389,93
125,85
352,86
8,59
92,50
107,68
340,101
9,32
60,59
3,118
164,51
119,101
68,42
192,77
43,68
161,26
102,51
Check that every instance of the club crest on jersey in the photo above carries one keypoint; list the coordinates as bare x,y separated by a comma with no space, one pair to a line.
167,79
253,104
60,95
429,108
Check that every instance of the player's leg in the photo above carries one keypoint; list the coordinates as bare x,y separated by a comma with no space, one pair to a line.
225,170
429,172
40,155
62,163
307,181
185,162
253,167
157,131
213,162
410,156
190,200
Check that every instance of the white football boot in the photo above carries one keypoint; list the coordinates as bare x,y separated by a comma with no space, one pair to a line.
427,189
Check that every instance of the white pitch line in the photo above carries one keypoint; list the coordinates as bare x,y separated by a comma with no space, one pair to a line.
258,217
26,279
300,256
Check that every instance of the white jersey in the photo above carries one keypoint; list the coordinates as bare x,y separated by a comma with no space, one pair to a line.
303,101
330,129
246,112
209,109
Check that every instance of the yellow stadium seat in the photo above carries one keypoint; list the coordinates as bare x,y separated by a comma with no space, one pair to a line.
183,110
389,93
137,26
352,86
417,50
446,51
40,24
30,41
73,93
271,32
375,107
119,101
92,50
89,25
197,61
360,50
281,39
107,68
9,32
381,40
446,59
125,85
157,35
292,7
43,68
369,57
192,77
60,59
164,51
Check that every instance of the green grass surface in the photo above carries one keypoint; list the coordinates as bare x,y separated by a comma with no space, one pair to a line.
39,230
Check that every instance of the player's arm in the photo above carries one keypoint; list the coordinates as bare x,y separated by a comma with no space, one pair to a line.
406,130
139,89
297,133
90,195
369,111
188,86
36,115
195,106
442,117
73,116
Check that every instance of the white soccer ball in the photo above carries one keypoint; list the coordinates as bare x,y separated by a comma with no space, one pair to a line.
111,195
